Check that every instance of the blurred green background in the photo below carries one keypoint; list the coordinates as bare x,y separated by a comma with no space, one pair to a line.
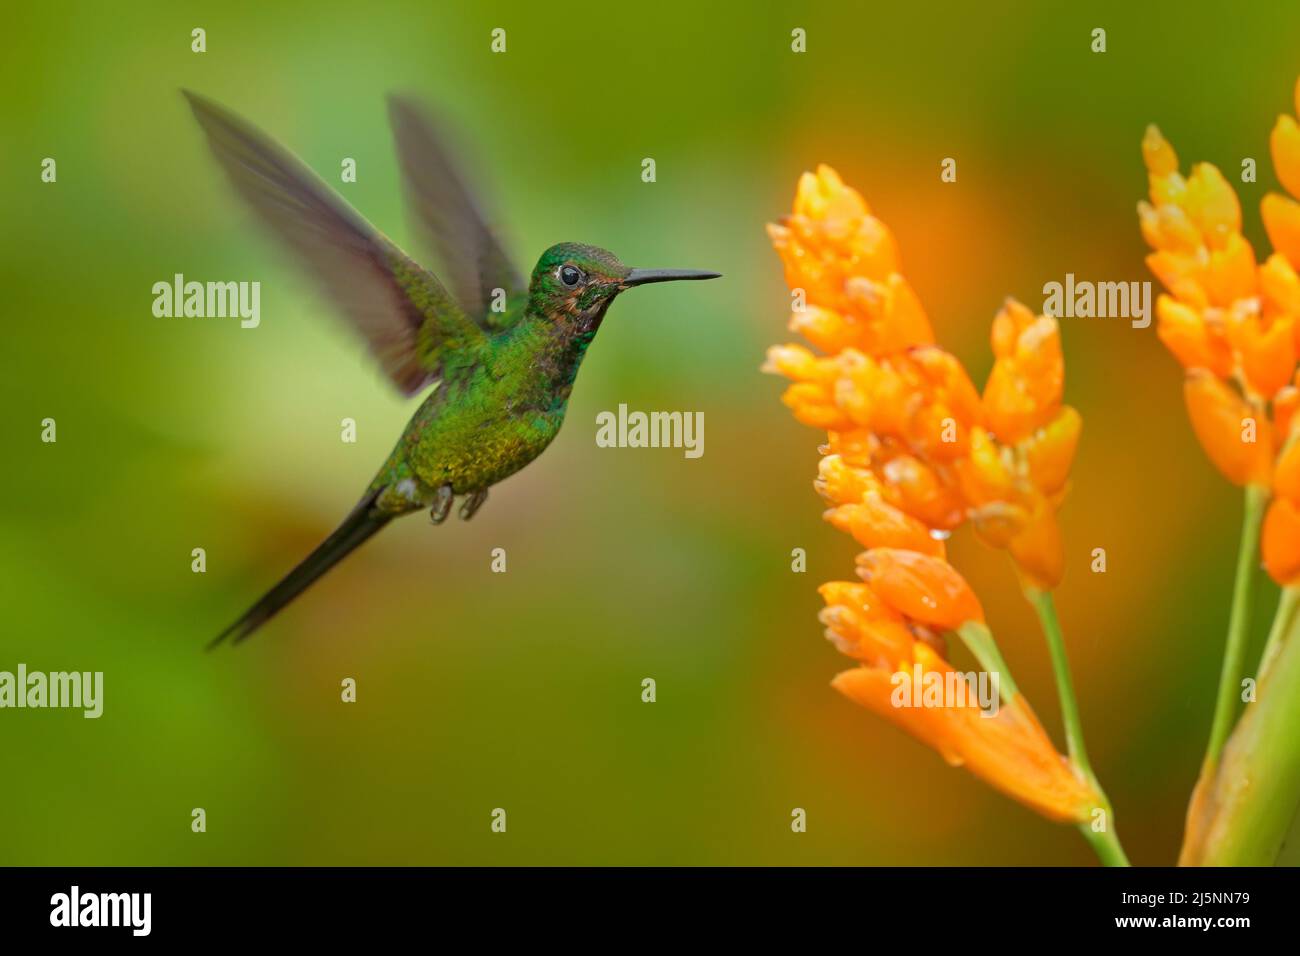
522,690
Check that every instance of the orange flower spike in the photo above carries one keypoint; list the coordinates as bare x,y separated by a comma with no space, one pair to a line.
893,311
1212,205
1010,412
984,474
877,524
1285,404
921,587
1038,550
1038,353
1282,223
1167,186
1279,285
1028,377
833,221
814,406
1049,453
1168,228
1011,751
1222,420
1180,274
954,387
907,317
872,392
1185,333
1286,478
1280,542
1284,144
1177,272
842,483
916,488
1012,319
827,329
860,625
874,687
824,198
797,363
1268,355
794,257
1207,200
938,434
874,641
1229,274
857,446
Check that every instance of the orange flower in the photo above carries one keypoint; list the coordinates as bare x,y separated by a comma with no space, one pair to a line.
1285,147
913,451
861,625
1233,324
1010,751
921,587
1280,540
1024,388
1194,341
1282,223
1015,488
875,523
904,411
845,260
1237,439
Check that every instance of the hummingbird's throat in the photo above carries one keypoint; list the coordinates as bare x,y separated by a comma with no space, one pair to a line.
589,322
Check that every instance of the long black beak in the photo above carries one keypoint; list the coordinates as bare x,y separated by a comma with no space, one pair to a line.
644,276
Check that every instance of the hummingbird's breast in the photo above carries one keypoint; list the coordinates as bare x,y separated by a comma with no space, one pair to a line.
481,431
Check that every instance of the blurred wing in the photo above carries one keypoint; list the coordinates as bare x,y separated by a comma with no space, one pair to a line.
471,256
406,316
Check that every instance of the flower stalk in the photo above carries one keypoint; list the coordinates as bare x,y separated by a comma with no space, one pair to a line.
1046,611
1241,813
1104,841
1234,654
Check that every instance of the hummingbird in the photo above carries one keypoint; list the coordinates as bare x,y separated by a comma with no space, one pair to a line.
498,356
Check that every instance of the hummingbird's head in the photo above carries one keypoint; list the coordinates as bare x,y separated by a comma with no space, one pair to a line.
574,282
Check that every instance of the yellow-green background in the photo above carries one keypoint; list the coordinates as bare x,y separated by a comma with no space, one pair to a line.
522,690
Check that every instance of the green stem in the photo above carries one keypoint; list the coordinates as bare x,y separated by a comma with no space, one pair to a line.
1234,654
1042,602
1286,608
979,640
1255,792
1105,843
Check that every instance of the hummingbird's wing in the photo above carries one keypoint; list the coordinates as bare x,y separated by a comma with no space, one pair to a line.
408,319
471,256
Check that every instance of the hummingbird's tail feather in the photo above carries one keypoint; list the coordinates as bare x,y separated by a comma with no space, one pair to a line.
350,535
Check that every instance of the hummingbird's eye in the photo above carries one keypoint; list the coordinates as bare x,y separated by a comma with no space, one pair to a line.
570,275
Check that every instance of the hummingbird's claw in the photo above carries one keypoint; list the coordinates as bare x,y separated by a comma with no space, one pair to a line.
472,503
441,505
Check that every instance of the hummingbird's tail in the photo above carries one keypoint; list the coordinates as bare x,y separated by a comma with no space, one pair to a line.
356,528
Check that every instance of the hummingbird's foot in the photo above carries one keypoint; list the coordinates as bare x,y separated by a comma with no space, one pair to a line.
441,505
472,503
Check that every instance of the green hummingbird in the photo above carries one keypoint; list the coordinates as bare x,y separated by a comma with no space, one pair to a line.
501,357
